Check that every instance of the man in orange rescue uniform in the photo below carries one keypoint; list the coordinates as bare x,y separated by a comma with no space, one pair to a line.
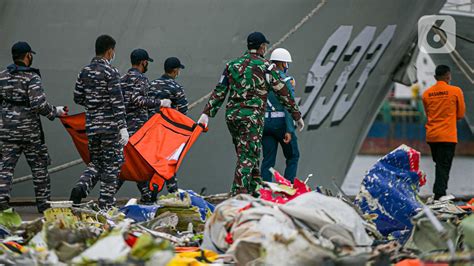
444,105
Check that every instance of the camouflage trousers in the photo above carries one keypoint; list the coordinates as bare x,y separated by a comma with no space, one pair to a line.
247,139
146,194
36,154
106,156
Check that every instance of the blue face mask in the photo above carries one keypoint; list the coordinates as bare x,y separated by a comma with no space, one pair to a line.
285,69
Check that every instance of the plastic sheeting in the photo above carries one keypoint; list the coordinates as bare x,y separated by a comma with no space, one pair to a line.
140,213
308,230
389,191
331,217
283,190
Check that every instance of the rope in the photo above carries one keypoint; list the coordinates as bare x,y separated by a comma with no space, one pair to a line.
198,101
298,25
457,57
51,170
276,44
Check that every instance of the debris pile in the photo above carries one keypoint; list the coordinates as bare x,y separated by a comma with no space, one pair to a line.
290,224
134,234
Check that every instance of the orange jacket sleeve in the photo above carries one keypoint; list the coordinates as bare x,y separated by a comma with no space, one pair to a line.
461,106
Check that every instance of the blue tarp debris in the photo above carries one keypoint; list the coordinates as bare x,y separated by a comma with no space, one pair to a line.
389,192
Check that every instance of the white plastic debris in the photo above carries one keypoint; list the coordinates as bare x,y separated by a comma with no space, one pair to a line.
60,204
110,248
132,201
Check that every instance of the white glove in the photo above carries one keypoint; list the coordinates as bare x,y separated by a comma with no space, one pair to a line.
300,124
123,136
165,103
204,119
61,110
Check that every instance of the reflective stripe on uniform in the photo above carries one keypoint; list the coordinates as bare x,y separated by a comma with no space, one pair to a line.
270,105
274,114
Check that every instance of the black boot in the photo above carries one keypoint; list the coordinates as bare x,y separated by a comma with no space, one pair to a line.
43,206
172,185
438,196
77,194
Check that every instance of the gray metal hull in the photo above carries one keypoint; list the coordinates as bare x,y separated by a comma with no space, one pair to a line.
205,34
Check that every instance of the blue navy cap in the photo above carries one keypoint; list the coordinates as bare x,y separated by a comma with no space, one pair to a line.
256,38
173,62
139,55
21,48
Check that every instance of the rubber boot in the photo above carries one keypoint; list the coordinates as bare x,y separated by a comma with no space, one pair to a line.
43,206
77,194
172,185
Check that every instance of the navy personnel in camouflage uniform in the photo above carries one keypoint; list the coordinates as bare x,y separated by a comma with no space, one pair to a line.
167,87
98,90
22,102
134,85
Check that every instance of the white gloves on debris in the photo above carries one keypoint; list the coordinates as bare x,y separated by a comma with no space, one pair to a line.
165,103
300,124
204,119
61,110
123,136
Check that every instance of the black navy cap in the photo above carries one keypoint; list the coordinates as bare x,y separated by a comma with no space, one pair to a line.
138,55
21,48
173,62
256,38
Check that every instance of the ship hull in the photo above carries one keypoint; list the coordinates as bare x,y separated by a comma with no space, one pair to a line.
344,57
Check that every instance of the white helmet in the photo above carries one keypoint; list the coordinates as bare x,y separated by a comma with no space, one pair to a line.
280,54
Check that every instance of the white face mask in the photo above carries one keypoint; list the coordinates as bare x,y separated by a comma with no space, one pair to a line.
113,58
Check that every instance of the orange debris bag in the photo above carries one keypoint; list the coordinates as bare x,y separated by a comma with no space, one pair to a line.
154,153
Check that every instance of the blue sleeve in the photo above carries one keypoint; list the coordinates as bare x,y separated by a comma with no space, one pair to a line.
180,100
79,96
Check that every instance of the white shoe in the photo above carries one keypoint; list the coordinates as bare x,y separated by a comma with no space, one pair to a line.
449,197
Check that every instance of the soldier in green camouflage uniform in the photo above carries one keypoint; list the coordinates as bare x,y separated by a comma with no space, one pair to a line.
248,79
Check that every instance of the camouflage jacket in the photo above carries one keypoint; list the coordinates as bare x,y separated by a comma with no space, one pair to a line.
22,102
134,87
248,79
167,88
98,90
